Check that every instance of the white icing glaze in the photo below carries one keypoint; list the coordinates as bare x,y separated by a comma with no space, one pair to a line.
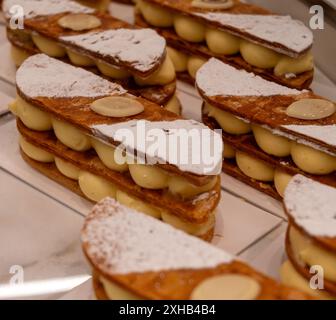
215,78
142,48
126,241
196,155
275,29
42,76
33,8
312,206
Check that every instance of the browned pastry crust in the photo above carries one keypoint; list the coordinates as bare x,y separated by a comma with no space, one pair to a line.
49,28
330,287
194,212
124,1
301,81
179,284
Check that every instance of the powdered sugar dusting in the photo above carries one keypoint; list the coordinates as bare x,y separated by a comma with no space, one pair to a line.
141,48
274,29
312,205
215,78
325,134
33,8
125,241
187,144
42,76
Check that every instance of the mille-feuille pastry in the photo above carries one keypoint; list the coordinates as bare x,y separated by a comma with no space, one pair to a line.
270,132
134,256
76,128
311,238
134,57
246,36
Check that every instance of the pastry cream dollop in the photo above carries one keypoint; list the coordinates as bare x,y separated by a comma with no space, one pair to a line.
259,56
189,29
164,75
34,152
94,187
155,15
67,169
221,42
254,168
70,136
32,117
49,47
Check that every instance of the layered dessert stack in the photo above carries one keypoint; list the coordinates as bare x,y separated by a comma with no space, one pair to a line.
135,58
134,257
311,238
245,36
271,132
82,131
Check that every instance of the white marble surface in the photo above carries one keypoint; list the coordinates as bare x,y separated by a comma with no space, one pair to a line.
40,235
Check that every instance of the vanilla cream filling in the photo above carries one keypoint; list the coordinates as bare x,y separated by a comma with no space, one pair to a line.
32,117
19,55
194,64
254,168
49,47
271,143
259,56
165,74
228,122
106,154
96,188
149,177
67,169
221,42
115,292
79,59
281,181
189,28
290,277
306,252
35,153
155,15
179,59
173,105
70,136
111,71
138,205
190,228
288,65
311,160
